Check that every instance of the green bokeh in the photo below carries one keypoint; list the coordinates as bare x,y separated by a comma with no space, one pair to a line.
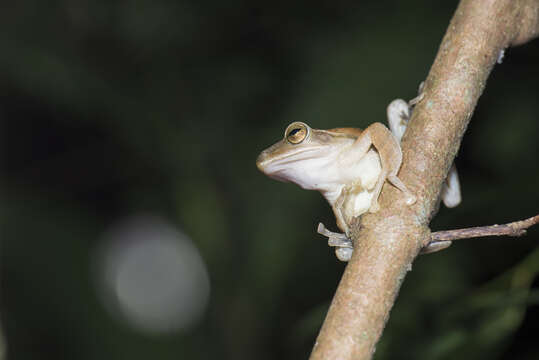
115,108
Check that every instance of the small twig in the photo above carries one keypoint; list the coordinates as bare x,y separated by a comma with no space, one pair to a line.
516,228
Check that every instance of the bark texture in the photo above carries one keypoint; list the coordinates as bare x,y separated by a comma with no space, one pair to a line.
387,242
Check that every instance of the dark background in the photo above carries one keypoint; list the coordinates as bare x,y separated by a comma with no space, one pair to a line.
112,109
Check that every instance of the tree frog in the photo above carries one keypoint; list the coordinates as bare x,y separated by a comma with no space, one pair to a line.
348,166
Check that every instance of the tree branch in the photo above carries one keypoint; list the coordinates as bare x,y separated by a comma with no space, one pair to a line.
516,228
387,242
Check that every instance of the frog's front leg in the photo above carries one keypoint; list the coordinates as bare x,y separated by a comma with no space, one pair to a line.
342,243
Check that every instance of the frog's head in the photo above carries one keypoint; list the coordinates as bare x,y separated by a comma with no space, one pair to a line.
305,156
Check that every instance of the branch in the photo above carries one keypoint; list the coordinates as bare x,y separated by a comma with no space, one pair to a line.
392,238
516,228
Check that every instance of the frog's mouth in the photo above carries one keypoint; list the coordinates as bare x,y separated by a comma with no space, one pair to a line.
271,168
279,175
267,160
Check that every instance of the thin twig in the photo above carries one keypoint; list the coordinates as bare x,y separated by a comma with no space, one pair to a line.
516,228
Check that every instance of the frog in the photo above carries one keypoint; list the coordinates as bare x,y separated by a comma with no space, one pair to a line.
349,166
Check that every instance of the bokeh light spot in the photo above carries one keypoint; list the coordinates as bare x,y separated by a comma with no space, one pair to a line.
151,275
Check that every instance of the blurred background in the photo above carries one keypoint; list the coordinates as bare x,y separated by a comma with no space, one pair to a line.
135,224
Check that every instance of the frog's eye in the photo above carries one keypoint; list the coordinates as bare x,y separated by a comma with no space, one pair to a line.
296,132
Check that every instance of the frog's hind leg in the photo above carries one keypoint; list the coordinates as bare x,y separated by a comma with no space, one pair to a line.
390,158
392,178
376,191
398,115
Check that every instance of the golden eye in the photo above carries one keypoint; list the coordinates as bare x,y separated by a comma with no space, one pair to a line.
296,133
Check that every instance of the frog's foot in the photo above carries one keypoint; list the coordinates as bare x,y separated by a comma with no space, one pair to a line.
374,206
435,246
343,245
334,239
344,254
398,114
416,100
420,95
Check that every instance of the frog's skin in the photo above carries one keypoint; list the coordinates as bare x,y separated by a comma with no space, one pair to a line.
347,165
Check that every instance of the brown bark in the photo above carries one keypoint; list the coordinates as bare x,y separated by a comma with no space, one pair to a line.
387,242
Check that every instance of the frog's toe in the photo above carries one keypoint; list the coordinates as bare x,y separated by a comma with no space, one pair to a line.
344,253
411,200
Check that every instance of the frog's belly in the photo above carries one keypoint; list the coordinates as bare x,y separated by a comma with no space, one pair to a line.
359,194
365,172
357,202
371,169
